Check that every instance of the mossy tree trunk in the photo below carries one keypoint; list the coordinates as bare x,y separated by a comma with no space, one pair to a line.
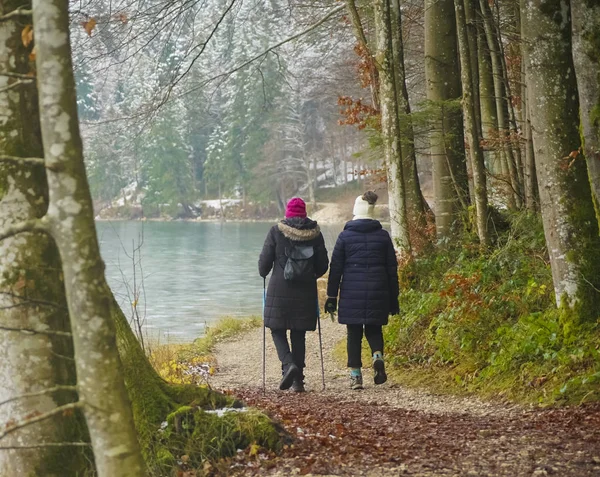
468,63
152,398
390,129
105,346
442,76
70,222
570,226
586,54
31,287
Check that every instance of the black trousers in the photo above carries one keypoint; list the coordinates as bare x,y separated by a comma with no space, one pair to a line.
374,335
298,350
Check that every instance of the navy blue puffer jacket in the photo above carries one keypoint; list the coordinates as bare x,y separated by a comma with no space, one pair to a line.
365,262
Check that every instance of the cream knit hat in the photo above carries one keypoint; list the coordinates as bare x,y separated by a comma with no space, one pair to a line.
363,208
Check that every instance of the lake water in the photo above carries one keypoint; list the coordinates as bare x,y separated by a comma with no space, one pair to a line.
193,272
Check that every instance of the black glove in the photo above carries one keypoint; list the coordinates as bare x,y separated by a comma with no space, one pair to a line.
330,305
394,306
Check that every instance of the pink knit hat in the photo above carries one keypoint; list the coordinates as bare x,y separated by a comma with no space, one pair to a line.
295,208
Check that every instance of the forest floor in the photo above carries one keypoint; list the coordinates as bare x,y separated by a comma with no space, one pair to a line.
391,430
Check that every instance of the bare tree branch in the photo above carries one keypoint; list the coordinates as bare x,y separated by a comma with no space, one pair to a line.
31,331
150,110
16,84
34,225
266,51
47,444
19,12
41,393
357,25
18,75
22,160
202,48
40,417
25,301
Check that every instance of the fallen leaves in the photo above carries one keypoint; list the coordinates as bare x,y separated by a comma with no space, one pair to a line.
353,437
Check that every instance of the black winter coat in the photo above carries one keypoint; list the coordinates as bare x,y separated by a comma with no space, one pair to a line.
291,305
364,261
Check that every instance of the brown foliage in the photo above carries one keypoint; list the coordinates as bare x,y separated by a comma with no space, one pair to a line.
346,435
357,113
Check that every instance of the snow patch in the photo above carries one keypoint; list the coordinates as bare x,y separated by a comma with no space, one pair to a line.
216,205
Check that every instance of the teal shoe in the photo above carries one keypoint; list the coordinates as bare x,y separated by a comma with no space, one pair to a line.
356,382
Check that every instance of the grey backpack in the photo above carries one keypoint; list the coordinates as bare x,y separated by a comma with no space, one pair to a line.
299,265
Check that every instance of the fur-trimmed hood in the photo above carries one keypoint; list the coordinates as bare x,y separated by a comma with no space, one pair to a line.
299,230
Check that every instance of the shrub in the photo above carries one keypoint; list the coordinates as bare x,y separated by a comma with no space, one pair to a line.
490,320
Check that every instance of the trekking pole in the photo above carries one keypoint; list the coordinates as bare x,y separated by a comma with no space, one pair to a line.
320,344
264,356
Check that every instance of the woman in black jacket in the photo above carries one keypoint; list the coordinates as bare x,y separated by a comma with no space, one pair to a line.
291,302
365,262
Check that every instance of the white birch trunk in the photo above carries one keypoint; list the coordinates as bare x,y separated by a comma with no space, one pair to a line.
71,223
390,129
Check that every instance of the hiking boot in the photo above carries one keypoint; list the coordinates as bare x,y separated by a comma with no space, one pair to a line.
356,382
379,368
298,384
289,375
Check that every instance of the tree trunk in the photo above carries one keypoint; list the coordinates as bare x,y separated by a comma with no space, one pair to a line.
501,104
70,220
513,126
344,161
390,129
565,197
586,50
531,190
415,202
472,129
529,174
334,160
315,183
489,116
446,137
31,288
359,33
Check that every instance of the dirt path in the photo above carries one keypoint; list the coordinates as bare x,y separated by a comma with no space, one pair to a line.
331,212
390,430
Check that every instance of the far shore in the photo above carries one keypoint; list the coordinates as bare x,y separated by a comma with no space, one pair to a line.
210,220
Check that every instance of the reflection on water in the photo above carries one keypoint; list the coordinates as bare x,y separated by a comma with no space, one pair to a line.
193,272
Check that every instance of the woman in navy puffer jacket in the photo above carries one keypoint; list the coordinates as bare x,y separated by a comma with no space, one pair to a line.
364,261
